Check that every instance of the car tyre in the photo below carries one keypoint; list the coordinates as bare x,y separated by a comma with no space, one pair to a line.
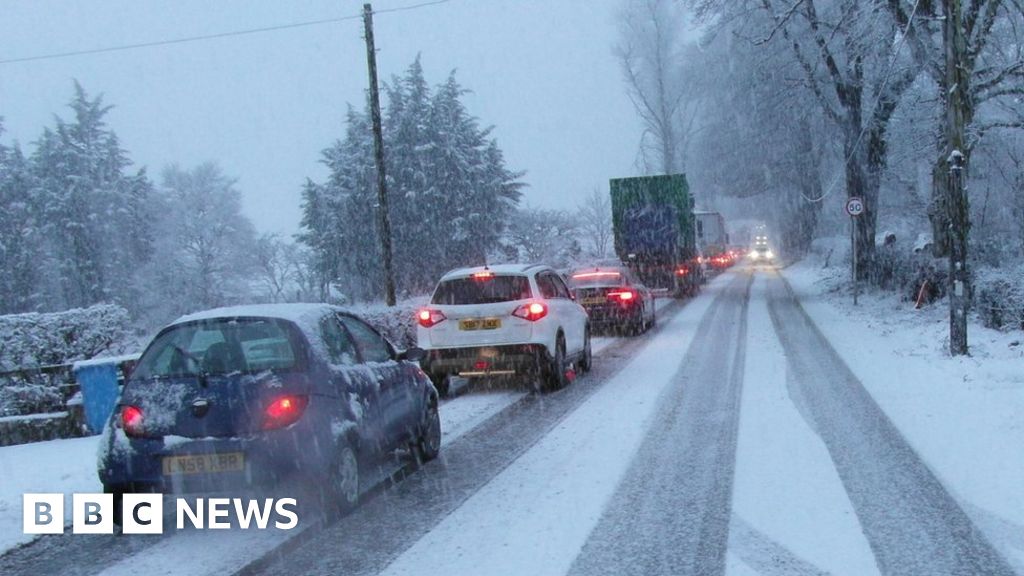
345,478
118,510
554,377
587,361
441,384
428,445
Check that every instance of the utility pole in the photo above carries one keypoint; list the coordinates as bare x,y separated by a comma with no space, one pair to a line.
383,216
958,109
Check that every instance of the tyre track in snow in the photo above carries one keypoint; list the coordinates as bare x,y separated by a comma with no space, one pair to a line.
377,532
670,514
913,525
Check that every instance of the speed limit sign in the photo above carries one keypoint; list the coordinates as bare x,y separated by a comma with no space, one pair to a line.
855,206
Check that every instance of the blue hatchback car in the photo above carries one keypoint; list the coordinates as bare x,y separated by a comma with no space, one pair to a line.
245,396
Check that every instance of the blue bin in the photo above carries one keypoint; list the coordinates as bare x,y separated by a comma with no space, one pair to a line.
98,382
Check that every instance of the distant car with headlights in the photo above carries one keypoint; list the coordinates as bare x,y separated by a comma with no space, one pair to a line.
762,254
245,396
614,298
506,320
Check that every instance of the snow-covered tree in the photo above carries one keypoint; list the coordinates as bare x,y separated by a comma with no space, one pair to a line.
203,252
539,236
93,214
19,234
450,193
594,222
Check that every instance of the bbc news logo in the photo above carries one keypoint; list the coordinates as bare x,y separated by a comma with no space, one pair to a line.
144,513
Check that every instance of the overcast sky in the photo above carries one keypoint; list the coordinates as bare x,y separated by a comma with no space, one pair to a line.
264,105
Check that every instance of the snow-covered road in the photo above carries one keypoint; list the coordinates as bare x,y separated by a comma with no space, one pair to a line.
732,439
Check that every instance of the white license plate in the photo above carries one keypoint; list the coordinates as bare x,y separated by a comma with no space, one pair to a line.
204,463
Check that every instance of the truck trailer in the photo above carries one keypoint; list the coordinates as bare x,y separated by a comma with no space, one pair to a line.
654,229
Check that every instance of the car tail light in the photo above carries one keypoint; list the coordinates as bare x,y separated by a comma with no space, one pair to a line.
623,295
682,271
485,275
533,311
284,411
428,317
131,420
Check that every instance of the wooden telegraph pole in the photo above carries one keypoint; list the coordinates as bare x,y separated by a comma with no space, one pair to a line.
958,109
383,216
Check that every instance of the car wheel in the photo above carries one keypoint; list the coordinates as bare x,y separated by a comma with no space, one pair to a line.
345,480
654,318
637,325
554,377
428,445
441,384
118,510
588,358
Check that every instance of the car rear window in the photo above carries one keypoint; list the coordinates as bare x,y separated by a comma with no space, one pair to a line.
482,290
217,347
595,279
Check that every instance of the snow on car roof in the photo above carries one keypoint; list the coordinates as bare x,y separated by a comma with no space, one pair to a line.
497,269
297,313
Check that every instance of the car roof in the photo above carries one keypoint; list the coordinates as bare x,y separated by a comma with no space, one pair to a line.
624,270
298,313
497,269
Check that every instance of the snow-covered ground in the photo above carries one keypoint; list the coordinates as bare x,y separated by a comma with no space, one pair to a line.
789,505
962,415
57,466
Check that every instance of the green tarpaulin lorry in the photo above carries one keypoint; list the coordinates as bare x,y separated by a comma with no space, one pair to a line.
653,223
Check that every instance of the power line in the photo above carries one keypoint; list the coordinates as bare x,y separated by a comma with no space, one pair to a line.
215,36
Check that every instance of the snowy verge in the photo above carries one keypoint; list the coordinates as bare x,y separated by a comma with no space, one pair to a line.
56,466
537,514
962,415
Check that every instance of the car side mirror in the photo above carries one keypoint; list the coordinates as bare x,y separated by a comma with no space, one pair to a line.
414,354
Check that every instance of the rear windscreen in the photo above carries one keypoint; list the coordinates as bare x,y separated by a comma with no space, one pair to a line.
221,346
482,290
595,279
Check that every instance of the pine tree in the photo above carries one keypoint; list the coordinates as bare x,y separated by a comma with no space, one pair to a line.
93,212
19,235
449,191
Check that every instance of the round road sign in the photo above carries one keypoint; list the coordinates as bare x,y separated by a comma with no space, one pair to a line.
855,206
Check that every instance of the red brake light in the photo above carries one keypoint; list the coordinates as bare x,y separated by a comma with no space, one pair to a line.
682,271
284,411
428,317
485,275
595,274
623,295
131,420
533,311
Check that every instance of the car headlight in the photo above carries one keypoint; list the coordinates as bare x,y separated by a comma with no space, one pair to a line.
769,254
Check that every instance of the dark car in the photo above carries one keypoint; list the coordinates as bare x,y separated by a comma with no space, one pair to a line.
614,298
246,396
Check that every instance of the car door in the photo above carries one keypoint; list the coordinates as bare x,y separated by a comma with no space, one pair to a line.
354,384
397,399
567,310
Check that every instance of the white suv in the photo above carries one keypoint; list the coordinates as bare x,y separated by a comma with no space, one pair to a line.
504,320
